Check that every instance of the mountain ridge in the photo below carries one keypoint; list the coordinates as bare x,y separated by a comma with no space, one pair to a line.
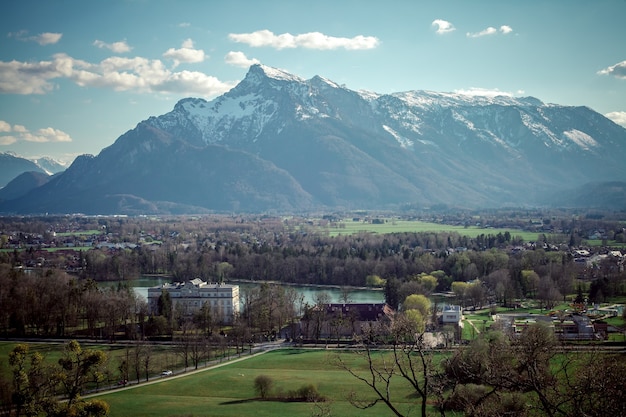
13,165
278,142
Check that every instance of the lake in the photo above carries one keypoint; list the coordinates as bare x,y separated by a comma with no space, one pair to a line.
360,295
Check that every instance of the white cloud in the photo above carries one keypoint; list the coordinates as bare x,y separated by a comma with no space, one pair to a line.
618,117
311,40
184,25
7,140
486,32
239,59
20,133
47,134
32,77
484,92
117,47
505,30
46,38
117,73
186,53
443,26
618,70
192,82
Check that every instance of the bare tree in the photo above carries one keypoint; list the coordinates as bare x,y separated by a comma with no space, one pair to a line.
407,359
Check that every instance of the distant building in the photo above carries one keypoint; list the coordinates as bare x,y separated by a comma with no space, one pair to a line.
345,320
189,297
451,314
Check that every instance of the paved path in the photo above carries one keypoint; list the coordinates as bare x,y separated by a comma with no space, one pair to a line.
259,349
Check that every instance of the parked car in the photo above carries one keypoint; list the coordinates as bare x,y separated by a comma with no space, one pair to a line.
166,373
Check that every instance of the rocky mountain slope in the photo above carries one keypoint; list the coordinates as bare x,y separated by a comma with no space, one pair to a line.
23,184
277,142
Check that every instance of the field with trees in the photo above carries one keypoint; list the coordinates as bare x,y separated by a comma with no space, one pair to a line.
483,262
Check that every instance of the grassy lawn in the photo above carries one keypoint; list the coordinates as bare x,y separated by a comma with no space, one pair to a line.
475,323
616,321
611,243
229,390
397,226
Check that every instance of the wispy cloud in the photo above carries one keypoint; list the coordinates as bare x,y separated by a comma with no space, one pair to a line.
9,134
187,53
239,59
311,40
486,32
483,92
46,38
443,26
618,117
618,70
117,47
504,30
137,74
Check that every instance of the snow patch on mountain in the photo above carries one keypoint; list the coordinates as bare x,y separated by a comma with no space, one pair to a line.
317,80
404,142
276,73
581,139
431,99
540,130
463,120
368,96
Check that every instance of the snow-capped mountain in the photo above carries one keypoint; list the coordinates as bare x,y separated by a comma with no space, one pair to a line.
12,165
50,165
280,142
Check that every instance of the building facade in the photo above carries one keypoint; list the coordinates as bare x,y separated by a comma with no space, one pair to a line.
451,314
345,320
189,297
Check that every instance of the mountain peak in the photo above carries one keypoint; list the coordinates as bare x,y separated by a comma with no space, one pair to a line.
258,72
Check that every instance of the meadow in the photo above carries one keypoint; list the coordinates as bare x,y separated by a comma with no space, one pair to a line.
229,389
348,226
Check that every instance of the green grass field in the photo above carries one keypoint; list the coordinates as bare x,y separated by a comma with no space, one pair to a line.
398,226
229,390
610,243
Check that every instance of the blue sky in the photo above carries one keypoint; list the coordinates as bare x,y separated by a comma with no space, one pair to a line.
75,75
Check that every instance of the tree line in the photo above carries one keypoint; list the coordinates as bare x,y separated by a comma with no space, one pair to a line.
497,374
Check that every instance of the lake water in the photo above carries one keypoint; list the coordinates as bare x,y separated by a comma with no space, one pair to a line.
310,293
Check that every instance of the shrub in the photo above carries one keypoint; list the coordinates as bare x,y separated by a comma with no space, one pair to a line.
263,386
309,393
